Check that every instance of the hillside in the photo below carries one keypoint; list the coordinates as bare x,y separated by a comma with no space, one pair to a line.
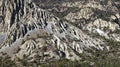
55,32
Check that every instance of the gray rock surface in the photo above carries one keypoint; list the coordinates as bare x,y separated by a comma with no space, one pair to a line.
35,32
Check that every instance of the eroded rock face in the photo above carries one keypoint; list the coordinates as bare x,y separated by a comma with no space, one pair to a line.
26,29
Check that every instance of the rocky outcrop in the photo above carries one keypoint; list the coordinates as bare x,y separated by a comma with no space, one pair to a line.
26,29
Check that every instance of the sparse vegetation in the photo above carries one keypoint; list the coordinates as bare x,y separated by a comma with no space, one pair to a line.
98,58
5,61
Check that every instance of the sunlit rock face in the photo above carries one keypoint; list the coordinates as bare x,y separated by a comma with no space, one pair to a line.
26,29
